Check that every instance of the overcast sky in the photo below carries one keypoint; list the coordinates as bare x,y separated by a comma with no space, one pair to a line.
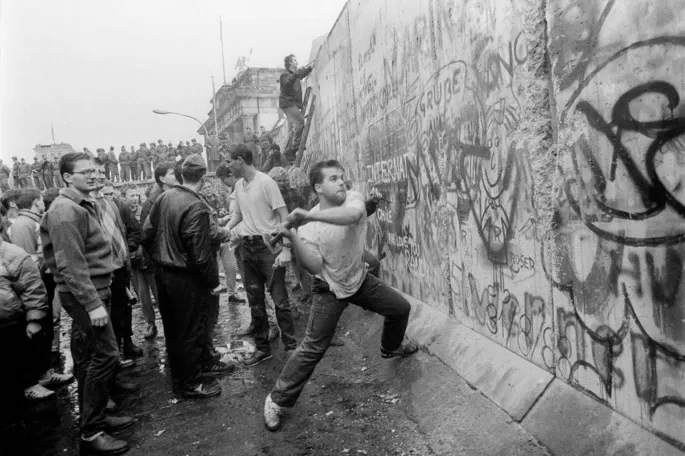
96,69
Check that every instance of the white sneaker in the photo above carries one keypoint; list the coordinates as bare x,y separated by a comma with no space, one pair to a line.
272,414
37,392
52,378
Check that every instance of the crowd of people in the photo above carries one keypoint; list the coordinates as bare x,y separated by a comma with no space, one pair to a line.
94,254
124,166
133,164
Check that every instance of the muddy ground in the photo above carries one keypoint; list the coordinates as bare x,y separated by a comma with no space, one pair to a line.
355,404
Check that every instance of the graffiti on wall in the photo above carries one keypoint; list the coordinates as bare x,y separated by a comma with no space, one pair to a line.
618,263
459,228
424,102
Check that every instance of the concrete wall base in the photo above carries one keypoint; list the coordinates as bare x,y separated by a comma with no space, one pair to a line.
561,417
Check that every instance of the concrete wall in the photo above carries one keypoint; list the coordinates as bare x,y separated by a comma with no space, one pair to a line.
506,213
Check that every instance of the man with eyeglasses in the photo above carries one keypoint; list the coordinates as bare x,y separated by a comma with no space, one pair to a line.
79,254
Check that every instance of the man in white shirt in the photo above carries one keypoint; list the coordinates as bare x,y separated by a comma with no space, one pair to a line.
330,245
260,207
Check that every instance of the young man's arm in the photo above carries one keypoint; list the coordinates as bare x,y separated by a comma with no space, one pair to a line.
349,214
236,219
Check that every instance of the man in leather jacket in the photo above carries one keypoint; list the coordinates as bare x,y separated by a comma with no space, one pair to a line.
177,236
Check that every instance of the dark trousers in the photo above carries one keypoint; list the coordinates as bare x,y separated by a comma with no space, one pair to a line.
325,312
48,180
96,361
122,316
258,262
12,357
209,353
182,304
37,351
296,121
113,172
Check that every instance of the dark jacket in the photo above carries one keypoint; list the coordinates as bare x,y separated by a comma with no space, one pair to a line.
177,234
124,158
112,158
291,88
145,261
130,228
75,248
22,293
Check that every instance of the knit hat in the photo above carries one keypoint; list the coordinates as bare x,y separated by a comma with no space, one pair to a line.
194,163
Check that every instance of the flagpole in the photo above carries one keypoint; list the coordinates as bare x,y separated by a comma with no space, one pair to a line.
221,37
216,126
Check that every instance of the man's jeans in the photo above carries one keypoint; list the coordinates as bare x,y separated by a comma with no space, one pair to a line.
325,312
258,262
144,283
96,361
296,121
228,260
211,304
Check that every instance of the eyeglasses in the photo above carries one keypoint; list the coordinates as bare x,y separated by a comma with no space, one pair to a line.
86,172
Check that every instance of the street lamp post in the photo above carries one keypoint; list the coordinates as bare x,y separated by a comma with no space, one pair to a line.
207,135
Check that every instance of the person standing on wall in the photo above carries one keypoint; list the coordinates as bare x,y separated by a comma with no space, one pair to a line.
113,165
56,175
15,173
80,257
24,174
47,170
260,206
290,101
37,173
125,164
330,245
4,177
141,162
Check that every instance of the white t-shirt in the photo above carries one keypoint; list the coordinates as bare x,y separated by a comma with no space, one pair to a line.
256,201
341,248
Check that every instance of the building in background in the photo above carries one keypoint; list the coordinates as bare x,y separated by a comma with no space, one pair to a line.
50,151
251,100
